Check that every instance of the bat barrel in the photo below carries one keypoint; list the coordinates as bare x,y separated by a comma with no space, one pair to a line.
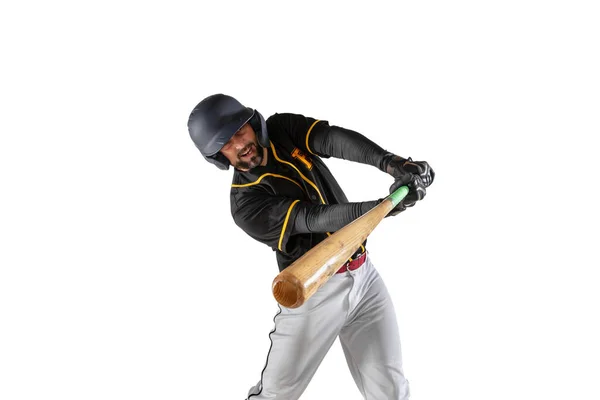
288,290
294,285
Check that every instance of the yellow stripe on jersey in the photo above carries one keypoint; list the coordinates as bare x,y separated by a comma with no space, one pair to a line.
308,134
256,182
287,217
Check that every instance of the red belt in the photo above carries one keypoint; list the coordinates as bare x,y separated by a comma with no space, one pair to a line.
354,264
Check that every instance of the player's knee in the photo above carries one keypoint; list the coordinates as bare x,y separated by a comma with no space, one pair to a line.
386,383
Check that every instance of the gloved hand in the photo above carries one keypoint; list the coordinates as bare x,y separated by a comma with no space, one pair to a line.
416,192
420,168
397,166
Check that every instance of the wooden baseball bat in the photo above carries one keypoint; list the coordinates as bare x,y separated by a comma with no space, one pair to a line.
295,284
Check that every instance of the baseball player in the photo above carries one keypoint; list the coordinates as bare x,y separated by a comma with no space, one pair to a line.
284,196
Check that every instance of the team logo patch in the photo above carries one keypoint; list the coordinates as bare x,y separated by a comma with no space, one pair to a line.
299,155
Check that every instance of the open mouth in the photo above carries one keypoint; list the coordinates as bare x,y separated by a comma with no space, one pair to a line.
247,152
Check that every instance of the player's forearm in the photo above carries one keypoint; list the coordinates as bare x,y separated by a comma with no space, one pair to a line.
349,145
311,218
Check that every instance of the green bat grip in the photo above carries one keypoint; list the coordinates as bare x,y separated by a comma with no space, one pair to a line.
398,195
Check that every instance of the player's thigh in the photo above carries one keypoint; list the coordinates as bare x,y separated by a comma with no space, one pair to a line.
371,334
303,336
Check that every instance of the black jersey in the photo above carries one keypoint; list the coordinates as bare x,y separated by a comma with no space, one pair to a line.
267,201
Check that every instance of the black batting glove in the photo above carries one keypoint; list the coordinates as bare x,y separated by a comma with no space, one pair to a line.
417,175
420,168
416,191
397,166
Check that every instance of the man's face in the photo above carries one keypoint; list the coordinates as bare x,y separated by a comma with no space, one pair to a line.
243,150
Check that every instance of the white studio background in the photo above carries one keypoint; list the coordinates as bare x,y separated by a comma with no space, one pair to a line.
124,277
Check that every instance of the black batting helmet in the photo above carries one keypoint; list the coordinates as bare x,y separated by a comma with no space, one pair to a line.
216,119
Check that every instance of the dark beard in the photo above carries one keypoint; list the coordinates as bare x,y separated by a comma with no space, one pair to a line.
254,161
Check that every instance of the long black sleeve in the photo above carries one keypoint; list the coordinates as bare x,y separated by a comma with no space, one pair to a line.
311,218
349,145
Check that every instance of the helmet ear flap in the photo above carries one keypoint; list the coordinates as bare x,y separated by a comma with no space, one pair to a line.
259,125
219,160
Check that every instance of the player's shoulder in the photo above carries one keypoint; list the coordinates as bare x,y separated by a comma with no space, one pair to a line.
282,116
288,125
249,182
247,189
278,126
242,178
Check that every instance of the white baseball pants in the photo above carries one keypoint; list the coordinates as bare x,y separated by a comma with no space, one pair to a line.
354,305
